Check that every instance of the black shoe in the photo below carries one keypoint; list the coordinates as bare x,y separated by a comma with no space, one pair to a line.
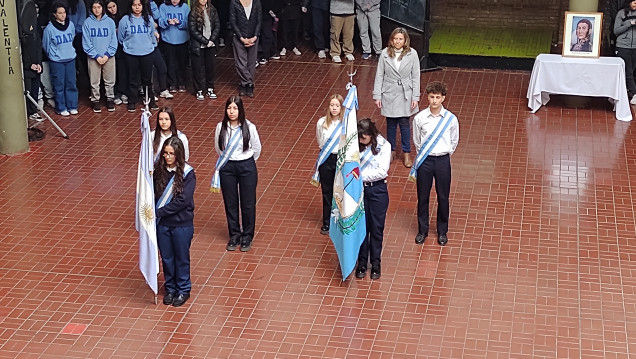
180,300
361,271
153,105
242,90
169,298
131,107
249,91
110,105
375,272
96,107
442,240
420,238
246,245
231,245
324,230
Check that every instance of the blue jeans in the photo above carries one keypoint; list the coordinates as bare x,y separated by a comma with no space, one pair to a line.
405,132
174,246
64,85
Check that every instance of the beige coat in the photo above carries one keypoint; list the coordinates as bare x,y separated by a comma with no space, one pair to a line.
397,89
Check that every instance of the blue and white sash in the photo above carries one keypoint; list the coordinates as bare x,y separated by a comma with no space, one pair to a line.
430,142
234,142
326,150
367,155
166,196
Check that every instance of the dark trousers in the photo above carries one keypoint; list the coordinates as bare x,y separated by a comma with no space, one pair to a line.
176,59
289,28
267,42
121,80
321,26
32,84
438,168
174,246
245,61
376,203
203,68
327,172
162,71
238,186
139,67
405,132
629,56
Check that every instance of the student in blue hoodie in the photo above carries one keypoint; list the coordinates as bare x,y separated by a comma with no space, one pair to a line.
100,44
57,42
76,13
137,35
173,23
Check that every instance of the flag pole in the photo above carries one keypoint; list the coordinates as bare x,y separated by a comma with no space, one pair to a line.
351,74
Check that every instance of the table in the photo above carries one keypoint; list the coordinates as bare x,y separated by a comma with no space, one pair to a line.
596,77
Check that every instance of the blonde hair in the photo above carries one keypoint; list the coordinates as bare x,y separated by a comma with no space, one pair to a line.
329,118
407,42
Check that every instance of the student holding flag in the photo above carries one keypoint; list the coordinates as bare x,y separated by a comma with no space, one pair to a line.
235,176
328,132
174,182
167,127
435,135
375,160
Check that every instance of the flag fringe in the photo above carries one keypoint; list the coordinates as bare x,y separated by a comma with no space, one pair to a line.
315,183
215,190
412,179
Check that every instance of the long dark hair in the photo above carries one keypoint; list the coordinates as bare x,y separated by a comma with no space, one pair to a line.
242,122
100,2
161,175
367,127
54,8
145,11
116,16
198,10
173,126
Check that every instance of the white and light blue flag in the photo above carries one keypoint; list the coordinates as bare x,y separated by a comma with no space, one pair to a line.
348,225
145,209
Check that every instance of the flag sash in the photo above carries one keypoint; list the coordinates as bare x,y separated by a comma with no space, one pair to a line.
430,142
326,150
367,155
215,186
167,194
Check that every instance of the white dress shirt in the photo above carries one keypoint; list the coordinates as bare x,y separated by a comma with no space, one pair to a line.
238,154
423,125
323,134
164,137
378,167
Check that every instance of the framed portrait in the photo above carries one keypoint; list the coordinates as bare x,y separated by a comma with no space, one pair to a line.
582,34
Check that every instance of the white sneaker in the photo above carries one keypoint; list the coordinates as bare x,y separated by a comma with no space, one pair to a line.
64,113
336,59
321,54
118,101
50,102
166,94
296,52
36,117
124,99
74,112
350,57
633,100
283,52
211,93
200,96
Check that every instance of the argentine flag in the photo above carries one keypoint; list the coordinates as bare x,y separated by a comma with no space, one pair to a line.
348,225
145,209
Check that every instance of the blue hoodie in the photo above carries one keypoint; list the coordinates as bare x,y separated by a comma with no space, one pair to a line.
99,37
79,17
58,42
154,10
136,37
174,34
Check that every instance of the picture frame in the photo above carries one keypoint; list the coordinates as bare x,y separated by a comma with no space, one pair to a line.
582,34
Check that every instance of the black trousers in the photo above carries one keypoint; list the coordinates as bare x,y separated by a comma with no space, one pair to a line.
437,168
121,80
203,69
139,66
376,203
320,22
629,56
162,70
268,42
289,28
176,58
32,84
327,172
238,186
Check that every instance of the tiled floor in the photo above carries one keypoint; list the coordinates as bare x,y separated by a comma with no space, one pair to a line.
538,264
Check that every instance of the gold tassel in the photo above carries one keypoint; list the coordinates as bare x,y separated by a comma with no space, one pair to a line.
215,190
314,183
412,179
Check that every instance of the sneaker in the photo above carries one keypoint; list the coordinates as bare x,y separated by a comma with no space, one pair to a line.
64,113
96,107
336,59
350,57
131,107
633,100
36,117
322,54
324,230
124,99
50,102
165,94
200,96
275,57
153,106
182,89
110,105
118,101
296,52
249,90
366,56
173,89
263,61
283,52
221,42
231,245
255,66
376,273
74,112
246,245
211,94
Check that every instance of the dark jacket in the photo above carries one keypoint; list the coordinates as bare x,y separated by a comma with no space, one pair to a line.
30,40
179,212
291,9
195,26
240,25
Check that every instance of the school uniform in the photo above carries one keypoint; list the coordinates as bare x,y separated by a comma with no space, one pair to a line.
137,39
245,22
164,137
376,203
435,166
57,42
238,179
327,170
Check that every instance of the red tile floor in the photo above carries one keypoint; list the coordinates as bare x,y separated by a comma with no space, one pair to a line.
538,264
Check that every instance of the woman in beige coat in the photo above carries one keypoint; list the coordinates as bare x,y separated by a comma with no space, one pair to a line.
396,90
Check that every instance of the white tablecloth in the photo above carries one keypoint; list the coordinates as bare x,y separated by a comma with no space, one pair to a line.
597,77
